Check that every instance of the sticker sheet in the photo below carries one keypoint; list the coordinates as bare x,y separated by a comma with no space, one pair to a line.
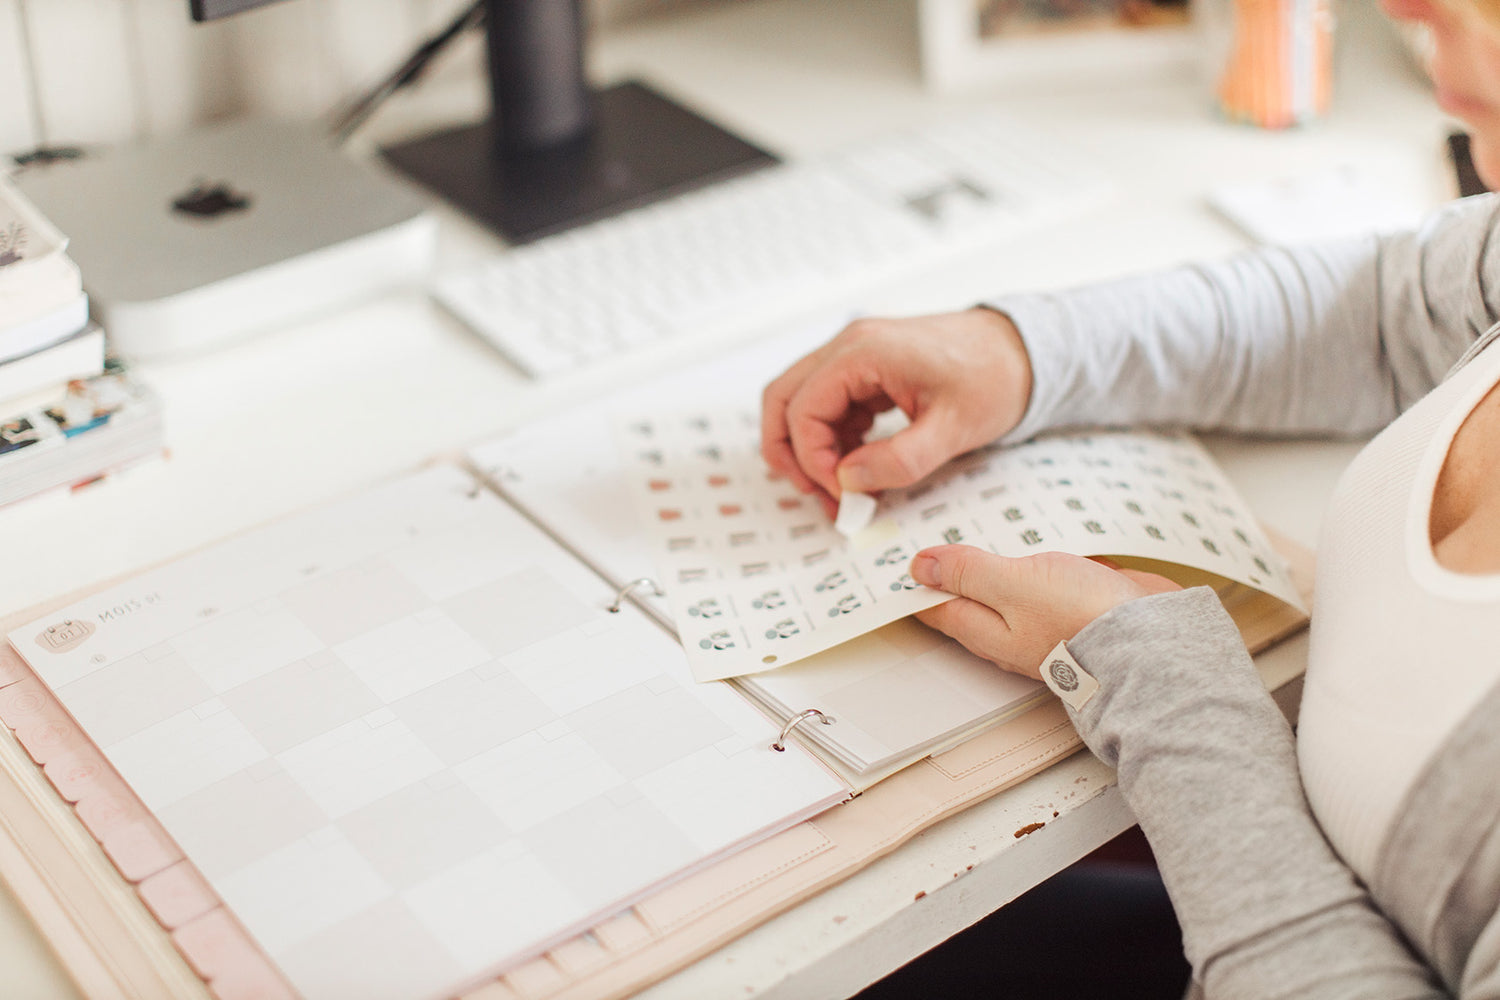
758,576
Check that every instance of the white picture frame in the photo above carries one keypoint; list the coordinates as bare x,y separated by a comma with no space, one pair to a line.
956,54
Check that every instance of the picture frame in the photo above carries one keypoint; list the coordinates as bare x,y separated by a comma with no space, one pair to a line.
970,43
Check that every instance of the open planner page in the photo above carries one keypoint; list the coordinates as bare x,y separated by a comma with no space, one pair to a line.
405,741
569,473
758,577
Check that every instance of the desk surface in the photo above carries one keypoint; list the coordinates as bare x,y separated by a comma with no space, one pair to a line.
303,414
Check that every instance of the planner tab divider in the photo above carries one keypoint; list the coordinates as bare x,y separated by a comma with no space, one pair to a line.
90,915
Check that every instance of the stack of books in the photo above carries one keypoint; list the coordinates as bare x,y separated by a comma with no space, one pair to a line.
69,413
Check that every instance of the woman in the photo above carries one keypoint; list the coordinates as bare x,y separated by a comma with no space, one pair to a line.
1362,857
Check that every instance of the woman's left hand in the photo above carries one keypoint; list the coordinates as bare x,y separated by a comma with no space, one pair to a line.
1013,612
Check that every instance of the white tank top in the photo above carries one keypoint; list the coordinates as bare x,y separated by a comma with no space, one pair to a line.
1401,649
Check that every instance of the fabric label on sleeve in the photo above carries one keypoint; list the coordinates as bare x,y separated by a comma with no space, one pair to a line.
1067,679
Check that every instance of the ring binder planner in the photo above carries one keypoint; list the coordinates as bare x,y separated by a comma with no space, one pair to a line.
633,585
812,713
469,726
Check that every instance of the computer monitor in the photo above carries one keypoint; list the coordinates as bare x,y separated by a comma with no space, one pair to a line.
555,153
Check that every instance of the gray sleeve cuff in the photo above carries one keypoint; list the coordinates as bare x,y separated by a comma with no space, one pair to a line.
1207,763
1154,660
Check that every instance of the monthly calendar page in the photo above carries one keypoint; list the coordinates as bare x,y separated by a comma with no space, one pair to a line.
406,742
757,577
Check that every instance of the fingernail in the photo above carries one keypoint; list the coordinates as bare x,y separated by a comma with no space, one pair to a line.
924,570
852,479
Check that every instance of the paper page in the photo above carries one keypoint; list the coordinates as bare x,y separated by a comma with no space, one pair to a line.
568,472
566,469
407,717
899,691
1347,200
757,576
26,236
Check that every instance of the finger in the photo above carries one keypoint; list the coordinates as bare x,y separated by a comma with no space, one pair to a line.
823,406
775,438
1152,583
981,630
1045,598
829,504
970,572
854,428
901,459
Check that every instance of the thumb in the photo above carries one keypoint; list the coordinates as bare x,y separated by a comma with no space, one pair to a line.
970,572
899,460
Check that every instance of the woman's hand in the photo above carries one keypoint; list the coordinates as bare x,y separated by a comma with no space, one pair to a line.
1013,612
962,378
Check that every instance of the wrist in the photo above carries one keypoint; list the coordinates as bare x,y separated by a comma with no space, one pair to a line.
1013,368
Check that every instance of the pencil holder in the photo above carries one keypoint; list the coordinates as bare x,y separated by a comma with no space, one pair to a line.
1271,60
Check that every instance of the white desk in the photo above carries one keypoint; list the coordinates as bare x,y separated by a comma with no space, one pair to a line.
307,413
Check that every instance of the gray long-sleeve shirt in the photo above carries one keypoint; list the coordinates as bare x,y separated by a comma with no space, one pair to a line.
1338,339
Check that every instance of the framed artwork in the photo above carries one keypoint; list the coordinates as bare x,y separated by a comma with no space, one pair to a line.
974,42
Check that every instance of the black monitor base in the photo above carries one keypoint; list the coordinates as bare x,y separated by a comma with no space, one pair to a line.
643,148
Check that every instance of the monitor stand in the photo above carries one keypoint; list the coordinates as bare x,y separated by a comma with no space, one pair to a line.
641,147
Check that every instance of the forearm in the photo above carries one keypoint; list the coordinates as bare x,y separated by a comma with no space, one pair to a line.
1207,763
1335,339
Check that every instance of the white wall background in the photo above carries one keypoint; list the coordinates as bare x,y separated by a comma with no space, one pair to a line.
101,71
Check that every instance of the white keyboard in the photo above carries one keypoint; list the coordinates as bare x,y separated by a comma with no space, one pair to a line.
796,236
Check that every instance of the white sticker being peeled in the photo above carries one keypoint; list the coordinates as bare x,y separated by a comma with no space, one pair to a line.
1067,679
856,510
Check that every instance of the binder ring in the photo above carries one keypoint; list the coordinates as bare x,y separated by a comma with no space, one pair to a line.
812,713
625,591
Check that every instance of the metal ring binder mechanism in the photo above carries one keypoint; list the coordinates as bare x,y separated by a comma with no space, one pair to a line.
812,713
624,592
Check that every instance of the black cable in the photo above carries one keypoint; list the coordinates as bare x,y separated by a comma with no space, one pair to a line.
408,72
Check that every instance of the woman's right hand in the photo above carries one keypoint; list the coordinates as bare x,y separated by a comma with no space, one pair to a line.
963,379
